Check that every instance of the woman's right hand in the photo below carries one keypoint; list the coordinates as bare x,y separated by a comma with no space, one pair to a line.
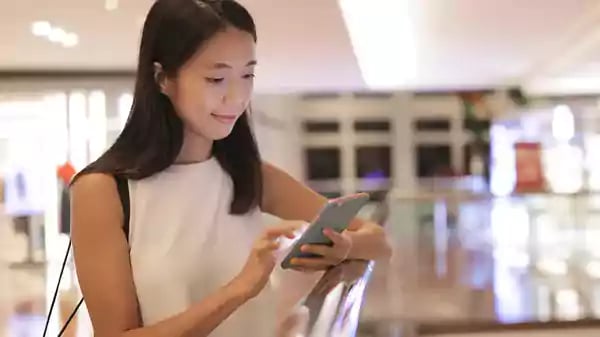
263,256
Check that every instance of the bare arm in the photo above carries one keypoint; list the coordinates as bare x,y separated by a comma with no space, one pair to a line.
103,268
287,198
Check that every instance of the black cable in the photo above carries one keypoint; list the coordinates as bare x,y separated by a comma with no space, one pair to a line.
62,270
70,317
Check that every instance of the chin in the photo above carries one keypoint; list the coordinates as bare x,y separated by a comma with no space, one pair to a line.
217,133
220,136
212,134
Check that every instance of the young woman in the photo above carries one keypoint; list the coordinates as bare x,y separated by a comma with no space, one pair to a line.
190,257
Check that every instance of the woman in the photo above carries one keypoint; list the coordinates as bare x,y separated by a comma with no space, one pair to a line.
194,258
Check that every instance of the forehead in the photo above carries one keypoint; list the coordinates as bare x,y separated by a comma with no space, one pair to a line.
232,46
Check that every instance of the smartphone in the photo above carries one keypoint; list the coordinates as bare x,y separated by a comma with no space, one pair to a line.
337,215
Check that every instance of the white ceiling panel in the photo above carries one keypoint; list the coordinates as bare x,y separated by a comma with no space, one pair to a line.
304,44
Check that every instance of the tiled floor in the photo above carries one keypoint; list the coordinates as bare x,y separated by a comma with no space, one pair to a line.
478,271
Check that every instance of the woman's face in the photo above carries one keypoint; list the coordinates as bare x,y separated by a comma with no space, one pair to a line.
213,89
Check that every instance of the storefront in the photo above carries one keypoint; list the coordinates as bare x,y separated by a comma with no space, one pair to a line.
48,131
550,150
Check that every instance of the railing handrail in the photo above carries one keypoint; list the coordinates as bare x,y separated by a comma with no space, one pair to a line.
396,195
335,302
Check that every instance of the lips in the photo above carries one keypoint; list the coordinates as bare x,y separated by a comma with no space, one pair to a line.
225,119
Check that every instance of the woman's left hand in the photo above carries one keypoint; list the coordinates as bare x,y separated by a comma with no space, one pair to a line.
329,256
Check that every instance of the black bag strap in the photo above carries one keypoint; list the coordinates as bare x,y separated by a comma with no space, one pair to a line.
123,189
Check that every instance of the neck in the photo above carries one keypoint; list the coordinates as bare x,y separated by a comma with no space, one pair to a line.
195,148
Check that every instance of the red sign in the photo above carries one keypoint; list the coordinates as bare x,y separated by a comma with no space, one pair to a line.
66,172
530,175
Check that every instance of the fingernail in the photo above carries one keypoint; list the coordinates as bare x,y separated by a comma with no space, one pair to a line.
304,248
294,261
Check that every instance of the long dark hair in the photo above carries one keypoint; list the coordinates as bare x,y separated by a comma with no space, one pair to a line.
153,135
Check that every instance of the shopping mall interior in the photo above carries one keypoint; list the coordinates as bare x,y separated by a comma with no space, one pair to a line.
473,125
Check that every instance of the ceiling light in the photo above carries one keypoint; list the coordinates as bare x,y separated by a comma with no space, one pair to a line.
41,28
553,266
593,269
563,123
57,34
54,34
383,38
111,5
70,40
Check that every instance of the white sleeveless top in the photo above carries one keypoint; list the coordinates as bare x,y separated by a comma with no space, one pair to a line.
185,245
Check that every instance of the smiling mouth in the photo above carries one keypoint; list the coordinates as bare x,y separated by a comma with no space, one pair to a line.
225,119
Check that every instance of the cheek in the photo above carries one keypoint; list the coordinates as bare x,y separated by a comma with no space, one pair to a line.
249,85
193,100
247,90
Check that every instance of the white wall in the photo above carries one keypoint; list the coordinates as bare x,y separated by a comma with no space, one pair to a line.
276,129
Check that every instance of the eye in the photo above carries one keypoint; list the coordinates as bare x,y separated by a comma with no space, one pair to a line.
249,76
215,80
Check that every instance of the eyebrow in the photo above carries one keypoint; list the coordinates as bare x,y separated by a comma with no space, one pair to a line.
220,65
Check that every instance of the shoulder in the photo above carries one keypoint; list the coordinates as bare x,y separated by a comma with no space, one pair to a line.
96,183
95,205
269,169
95,192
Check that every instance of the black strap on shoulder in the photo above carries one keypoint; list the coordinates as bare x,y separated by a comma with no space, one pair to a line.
123,189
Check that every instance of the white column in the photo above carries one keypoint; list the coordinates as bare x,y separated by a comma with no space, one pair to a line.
403,147
402,225
78,129
458,140
348,152
97,125
277,131
55,140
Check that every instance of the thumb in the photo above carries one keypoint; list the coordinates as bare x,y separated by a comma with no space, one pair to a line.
335,237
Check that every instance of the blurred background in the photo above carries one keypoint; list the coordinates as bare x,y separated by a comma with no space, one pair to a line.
476,122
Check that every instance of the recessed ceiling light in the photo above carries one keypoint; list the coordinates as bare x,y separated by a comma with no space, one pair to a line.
70,40
57,34
54,34
111,5
41,28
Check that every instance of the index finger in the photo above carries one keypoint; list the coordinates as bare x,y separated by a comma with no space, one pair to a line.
284,230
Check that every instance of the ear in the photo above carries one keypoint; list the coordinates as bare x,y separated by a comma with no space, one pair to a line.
160,78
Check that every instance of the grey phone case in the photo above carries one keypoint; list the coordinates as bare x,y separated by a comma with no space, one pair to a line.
336,215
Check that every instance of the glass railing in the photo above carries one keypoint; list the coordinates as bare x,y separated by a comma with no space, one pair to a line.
335,303
472,262
462,263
